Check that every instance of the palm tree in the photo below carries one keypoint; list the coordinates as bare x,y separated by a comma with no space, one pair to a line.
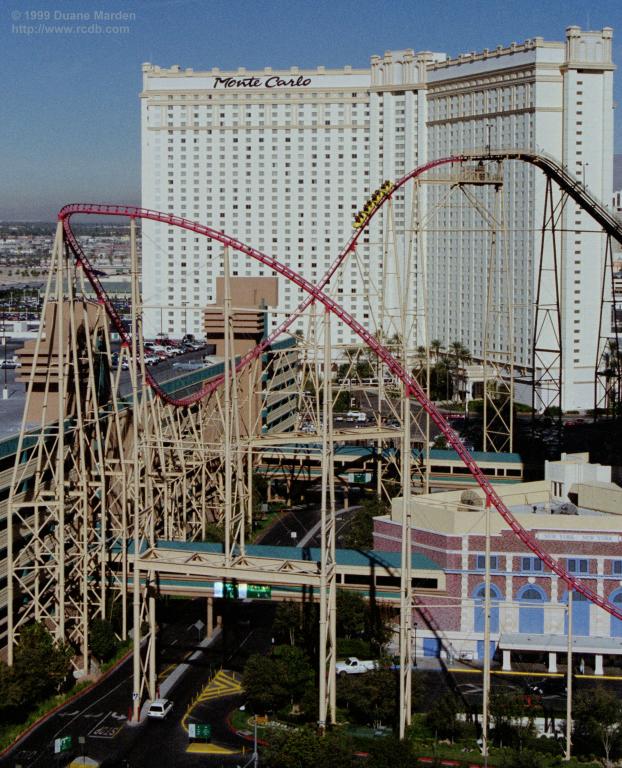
436,345
461,356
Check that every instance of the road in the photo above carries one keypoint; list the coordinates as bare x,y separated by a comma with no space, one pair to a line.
100,716
300,527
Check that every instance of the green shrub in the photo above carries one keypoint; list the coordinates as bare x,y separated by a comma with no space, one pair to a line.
102,640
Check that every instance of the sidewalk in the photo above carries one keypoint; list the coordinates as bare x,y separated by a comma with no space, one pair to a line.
167,685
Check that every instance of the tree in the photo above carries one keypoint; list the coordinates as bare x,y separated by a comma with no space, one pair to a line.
102,640
264,691
598,719
442,718
369,698
508,713
341,403
287,624
305,748
460,356
351,610
40,668
360,531
524,758
436,345
390,753
273,681
359,534
441,386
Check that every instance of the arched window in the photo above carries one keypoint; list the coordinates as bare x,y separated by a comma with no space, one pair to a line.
531,609
479,595
616,624
580,614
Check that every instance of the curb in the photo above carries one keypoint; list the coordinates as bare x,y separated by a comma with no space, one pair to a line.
262,742
44,718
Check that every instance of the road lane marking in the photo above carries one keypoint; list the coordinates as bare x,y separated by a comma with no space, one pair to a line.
211,749
101,698
221,685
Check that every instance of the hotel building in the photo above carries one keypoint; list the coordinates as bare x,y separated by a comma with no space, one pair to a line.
574,513
283,160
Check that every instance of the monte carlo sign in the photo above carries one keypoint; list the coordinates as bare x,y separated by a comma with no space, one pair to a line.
261,82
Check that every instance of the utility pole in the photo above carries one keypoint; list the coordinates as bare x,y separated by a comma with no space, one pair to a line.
486,686
136,586
569,680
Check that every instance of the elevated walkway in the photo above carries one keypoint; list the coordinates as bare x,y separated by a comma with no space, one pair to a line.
288,573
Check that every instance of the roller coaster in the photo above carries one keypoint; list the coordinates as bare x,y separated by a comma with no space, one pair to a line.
180,410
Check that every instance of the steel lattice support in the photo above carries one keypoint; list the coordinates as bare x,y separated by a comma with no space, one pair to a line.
547,347
499,357
608,369
328,565
65,499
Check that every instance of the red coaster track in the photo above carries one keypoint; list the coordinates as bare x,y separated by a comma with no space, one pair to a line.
610,225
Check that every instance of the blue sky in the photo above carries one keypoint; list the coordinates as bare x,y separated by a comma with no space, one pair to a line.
70,124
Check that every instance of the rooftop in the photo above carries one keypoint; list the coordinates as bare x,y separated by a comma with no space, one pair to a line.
351,557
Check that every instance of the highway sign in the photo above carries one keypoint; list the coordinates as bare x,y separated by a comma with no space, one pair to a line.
359,477
62,744
261,591
199,730
242,591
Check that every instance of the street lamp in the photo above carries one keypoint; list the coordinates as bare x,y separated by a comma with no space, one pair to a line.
489,127
584,166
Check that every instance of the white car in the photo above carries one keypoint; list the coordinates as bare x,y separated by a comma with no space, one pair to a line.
159,708
352,666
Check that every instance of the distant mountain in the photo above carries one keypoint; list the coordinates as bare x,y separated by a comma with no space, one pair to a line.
617,172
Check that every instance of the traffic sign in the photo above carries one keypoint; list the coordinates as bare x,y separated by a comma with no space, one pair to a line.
242,591
199,730
262,591
62,745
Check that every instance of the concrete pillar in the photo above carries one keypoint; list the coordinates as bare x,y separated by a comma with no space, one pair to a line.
598,664
552,662
507,661
210,618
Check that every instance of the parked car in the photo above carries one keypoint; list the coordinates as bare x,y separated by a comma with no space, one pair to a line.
352,666
159,708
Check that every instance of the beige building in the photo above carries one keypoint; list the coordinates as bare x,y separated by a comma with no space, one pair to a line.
575,514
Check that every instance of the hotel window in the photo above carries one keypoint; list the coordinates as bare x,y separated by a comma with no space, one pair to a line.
577,565
481,562
531,564
616,567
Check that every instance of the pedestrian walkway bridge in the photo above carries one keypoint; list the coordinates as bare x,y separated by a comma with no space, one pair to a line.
291,573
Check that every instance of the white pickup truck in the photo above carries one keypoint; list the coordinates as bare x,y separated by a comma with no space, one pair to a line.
352,666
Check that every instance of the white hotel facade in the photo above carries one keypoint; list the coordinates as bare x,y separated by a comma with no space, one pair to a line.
282,160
